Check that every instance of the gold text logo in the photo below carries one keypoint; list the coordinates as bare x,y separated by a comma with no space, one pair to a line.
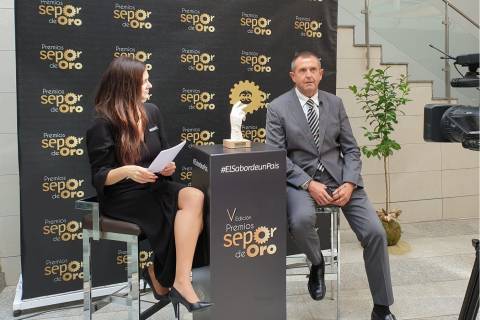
61,144
63,188
197,100
186,175
196,136
255,62
197,60
139,55
254,133
61,230
62,102
63,270
144,258
308,27
60,58
65,15
247,239
132,17
196,21
255,24
250,94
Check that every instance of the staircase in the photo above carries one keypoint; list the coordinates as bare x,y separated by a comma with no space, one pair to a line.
429,181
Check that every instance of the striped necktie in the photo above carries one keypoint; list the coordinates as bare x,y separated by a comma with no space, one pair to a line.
312,119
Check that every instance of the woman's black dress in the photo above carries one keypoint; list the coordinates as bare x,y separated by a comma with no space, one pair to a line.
152,206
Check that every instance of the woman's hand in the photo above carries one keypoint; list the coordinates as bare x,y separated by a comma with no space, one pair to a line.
140,174
169,169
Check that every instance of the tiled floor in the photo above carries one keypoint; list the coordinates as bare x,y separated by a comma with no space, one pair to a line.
430,271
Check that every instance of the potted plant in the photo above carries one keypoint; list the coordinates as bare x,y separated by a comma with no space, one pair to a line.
381,99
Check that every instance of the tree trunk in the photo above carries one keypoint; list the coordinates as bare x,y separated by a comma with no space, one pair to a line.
387,185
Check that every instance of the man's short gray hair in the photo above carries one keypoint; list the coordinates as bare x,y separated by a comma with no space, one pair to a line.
305,54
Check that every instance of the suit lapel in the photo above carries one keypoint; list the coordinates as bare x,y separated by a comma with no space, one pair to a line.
322,118
299,117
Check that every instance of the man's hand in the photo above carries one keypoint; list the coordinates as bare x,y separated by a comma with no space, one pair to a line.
318,191
342,194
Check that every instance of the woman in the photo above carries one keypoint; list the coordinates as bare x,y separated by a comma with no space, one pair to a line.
125,138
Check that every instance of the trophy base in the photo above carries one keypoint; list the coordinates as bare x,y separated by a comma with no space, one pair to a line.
236,144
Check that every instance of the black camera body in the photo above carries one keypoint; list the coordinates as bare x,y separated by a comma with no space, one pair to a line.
455,123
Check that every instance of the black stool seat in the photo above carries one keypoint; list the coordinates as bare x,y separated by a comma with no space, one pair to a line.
108,224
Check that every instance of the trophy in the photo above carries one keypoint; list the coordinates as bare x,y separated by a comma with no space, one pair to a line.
237,116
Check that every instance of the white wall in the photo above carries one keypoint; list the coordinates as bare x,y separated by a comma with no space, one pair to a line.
9,188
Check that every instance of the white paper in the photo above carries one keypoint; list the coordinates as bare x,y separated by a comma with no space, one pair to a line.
165,157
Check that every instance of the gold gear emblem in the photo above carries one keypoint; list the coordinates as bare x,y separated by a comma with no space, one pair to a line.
248,93
257,235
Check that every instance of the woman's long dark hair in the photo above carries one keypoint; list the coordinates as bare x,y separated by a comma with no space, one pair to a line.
119,100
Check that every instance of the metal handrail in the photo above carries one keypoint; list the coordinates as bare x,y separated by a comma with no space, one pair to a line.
460,12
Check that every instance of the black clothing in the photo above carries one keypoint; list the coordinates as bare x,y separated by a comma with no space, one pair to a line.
152,206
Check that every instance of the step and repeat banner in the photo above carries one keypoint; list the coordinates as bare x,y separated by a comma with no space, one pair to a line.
202,56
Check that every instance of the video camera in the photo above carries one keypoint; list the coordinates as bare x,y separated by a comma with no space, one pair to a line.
456,123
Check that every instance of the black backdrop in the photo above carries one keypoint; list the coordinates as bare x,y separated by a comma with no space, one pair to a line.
200,55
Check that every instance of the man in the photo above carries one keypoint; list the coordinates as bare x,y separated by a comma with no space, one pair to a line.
323,167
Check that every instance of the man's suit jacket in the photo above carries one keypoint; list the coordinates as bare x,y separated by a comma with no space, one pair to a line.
287,128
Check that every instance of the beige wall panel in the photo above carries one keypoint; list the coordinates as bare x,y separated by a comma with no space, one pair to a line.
8,74
454,156
8,120
410,158
350,71
6,4
9,236
461,182
9,195
8,154
461,207
346,49
409,130
423,210
351,106
416,186
7,36
420,94
11,268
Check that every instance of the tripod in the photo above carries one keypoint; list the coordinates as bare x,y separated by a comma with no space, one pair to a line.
470,302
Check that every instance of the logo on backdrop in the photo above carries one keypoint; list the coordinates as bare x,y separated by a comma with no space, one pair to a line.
255,62
186,175
131,17
248,93
144,258
245,238
197,21
61,187
255,24
58,57
62,145
254,133
196,99
60,13
139,55
307,27
63,270
197,60
62,230
197,136
60,101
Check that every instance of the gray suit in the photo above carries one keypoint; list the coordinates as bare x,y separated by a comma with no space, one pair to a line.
287,128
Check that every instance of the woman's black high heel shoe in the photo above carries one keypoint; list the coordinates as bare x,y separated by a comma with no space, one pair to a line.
147,279
177,298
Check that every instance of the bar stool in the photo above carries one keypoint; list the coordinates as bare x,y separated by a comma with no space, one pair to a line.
97,227
331,255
